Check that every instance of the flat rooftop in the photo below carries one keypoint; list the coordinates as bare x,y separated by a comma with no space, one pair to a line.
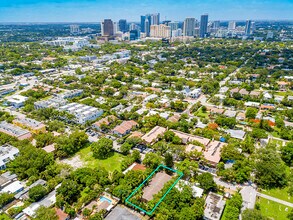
156,185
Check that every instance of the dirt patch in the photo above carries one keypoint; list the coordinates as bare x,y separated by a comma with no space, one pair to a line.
75,162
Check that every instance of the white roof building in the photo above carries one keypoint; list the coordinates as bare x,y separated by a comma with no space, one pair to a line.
14,187
82,113
7,153
17,100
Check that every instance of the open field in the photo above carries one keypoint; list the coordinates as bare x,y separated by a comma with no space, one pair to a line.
110,164
279,193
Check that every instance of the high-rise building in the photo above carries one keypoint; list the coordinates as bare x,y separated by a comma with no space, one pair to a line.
173,25
188,27
155,19
107,27
122,25
232,25
147,27
177,33
142,23
216,24
204,25
252,29
115,27
161,31
133,26
134,34
166,22
248,27
74,29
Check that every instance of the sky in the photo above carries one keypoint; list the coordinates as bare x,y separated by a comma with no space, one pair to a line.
175,10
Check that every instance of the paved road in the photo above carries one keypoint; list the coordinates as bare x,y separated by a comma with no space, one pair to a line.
275,199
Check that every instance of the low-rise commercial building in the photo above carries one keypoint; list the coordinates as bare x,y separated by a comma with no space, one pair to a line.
16,101
14,131
34,126
82,113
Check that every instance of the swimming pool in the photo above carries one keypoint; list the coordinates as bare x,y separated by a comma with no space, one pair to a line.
104,199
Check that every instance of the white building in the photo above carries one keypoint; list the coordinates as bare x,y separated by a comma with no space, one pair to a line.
160,31
195,93
16,101
82,113
214,207
7,153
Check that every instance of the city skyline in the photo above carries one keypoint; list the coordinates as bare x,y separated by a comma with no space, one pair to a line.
95,11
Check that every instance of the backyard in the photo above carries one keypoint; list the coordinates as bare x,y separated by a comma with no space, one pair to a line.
273,210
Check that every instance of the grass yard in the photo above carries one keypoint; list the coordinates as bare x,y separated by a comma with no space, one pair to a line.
279,193
279,143
110,164
202,114
273,210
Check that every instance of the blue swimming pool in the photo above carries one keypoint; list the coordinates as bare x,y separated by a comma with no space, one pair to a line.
104,199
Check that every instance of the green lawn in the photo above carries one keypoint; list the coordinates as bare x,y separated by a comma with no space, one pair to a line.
279,193
202,114
110,164
273,210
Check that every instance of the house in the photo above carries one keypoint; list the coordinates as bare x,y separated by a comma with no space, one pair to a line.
235,90
122,213
267,106
7,153
195,93
243,92
192,147
156,185
34,126
283,85
150,98
278,98
212,152
238,134
135,166
230,113
24,194
248,194
14,187
223,90
61,215
14,131
49,148
254,94
105,202
104,121
219,111
174,118
196,191
124,128
240,116
214,207
16,101
6,179
47,201
267,96
152,136
185,137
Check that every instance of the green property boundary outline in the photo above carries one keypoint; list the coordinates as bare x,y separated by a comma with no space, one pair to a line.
163,197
